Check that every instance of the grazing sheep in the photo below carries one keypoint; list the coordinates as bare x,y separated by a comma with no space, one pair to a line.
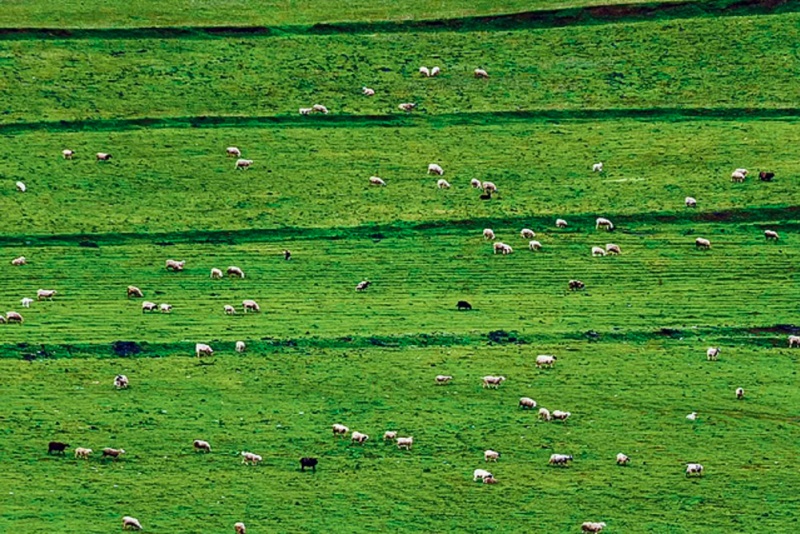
374,180
367,91
694,469
235,271
243,164
545,360
56,447
597,167
594,528
131,523
544,414
14,317
26,302
364,284
622,459
305,111
740,393
611,248
21,187
175,266
319,108
489,187
481,474
435,71
771,234
558,415
165,308
229,310
527,403
340,430
739,175
602,222
712,354
239,528
598,251
2,320
67,153
575,285
390,435
200,445
435,169
216,274
463,305
407,106
766,176
480,73
148,306
502,248
121,382
201,349
560,459
475,183
250,458
425,71
443,184
561,223
232,151
250,305
19,261
134,291
405,443
358,437
702,243
493,381
240,346
691,202
103,156
45,294
794,341
490,455
488,233
527,233
692,416
308,462
534,245
108,452
83,453
443,379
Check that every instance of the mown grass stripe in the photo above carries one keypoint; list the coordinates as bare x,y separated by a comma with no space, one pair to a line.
540,19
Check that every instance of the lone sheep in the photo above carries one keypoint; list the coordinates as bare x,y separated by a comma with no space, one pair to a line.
545,360
622,459
597,167
131,523
712,354
19,261
602,222
175,266
694,469
691,202
201,349
481,73
240,528
794,341
771,234
121,382
134,291
201,445
443,379
739,393
594,528
374,180
702,243
250,458
561,223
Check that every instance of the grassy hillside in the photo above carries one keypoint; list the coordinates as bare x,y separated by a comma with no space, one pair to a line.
704,63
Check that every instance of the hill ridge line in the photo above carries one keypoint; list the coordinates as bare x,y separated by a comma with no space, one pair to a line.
766,215
410,120
538,19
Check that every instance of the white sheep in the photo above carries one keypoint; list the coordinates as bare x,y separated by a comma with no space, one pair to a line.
203,349
407,106
712,354
794,341
367,91
216,274
598,251
305,111
534,245
14,317
443,184
21,187
694,469
545,360
527,403
374,180
103,156
26,302
175,266
319,108
148,306
390,435
443,379
740,393
692,416
489,187
45,294
475,183
493,381
165,308
771,234
488,233
435,169
19,261
340,430
235,271
243,164
229,310
561,223
201,445
623,459
358,437
134,291
67,153
480,73
240,346
250,458
405,443
702,243
481,474
250,305
602,222
611,248
131,523
527,233
232,151
240,528
597,167
490,455
83,453
560,459
594,528
121,382
738,176
544,414
691,202
558,415
425,71
502,248
435,71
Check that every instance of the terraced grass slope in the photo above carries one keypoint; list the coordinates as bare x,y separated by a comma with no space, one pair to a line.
670,106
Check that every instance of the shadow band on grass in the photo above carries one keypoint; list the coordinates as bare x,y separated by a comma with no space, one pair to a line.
540,19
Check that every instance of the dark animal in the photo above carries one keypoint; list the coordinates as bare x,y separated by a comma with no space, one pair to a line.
287,255
56,446
112,453
363,285
486,196
308,462
463,305
576,284
766,176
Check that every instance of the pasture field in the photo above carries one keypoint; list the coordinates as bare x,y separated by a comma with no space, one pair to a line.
685,64
671,106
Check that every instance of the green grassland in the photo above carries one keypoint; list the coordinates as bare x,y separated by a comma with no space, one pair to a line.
669,64
670,106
